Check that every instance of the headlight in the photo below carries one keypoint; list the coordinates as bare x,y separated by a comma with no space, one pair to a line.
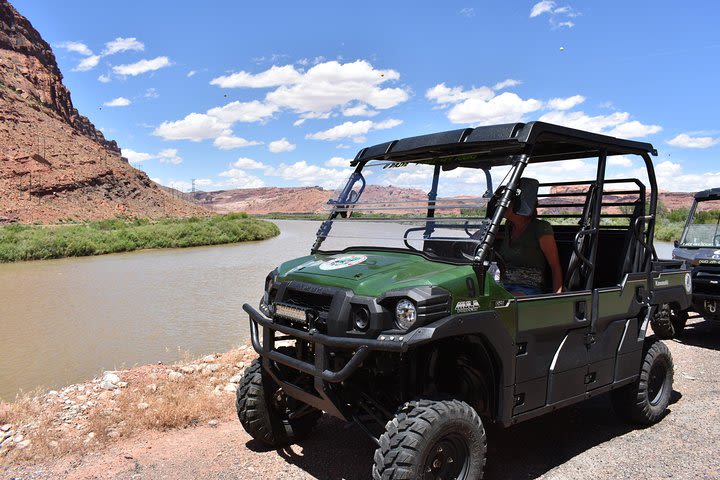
405,314
688,283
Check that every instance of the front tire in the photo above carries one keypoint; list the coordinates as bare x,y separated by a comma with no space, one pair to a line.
670,321
264,412
645,401
432,439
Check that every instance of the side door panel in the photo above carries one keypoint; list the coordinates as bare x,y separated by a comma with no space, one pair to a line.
552,356
615,306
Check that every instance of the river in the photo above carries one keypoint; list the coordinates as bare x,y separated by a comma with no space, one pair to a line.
64,321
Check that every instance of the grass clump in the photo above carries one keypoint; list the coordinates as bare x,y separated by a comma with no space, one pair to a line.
38,242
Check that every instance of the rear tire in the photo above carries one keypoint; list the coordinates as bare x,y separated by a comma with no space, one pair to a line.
267,419
669,321
645,401
431,439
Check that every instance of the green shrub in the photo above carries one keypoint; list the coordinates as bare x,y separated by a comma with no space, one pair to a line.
25,242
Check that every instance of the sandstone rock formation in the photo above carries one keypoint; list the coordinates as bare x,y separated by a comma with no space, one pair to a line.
54,163
298,200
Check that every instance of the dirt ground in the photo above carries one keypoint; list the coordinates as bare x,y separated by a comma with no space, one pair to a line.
580,442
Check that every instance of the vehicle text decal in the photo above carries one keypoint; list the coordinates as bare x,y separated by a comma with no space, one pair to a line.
342,262
467,306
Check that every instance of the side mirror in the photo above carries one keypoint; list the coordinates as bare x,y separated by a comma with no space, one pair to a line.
676,244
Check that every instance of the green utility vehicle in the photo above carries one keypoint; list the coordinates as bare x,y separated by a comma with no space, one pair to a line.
399,322
700,247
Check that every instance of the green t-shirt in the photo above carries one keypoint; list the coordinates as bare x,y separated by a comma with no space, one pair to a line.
525,262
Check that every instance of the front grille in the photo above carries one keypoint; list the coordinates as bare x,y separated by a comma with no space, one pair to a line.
308,301
707,281
315,306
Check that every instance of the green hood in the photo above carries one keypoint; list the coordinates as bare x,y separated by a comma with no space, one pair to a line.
374,273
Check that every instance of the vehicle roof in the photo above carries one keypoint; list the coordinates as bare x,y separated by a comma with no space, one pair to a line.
708,194
495,144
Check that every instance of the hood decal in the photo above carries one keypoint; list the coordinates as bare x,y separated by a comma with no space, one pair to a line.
342,262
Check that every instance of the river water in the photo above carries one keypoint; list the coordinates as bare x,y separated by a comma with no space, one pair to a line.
64,321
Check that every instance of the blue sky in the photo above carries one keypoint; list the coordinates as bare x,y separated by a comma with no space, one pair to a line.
284,93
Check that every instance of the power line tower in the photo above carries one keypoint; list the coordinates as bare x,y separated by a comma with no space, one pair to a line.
192,180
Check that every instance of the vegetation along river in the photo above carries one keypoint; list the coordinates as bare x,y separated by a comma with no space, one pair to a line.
65,321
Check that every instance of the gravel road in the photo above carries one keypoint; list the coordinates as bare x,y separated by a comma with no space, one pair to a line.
580,442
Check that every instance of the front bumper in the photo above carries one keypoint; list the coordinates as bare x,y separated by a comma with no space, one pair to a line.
360,349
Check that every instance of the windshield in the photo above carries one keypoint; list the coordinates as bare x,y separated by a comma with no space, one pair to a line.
410,206
702,228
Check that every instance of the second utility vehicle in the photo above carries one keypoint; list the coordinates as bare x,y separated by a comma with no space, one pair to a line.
699,245
399,321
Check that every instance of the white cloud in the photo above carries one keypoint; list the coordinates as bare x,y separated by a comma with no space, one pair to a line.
468,12
307,174
616,124
118,102
143,66
229,142
634,129
686,141
321,92
194,127
123,45
191,73
216,124
76,47
88,63
505,108
539,8
558,17
565,103
353,129
361,110
136,157
169,155
104,78
281,145
248,163
330,85
273,77
443,95
151,93
241,179
254,111
620,161
338,162
670,176
508,83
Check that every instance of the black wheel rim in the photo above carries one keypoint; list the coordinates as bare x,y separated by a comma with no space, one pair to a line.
449,459
656,384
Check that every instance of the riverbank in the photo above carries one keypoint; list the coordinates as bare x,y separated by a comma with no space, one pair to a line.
207,442
88,416
41,242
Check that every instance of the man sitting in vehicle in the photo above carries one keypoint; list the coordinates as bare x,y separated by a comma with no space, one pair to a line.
528,247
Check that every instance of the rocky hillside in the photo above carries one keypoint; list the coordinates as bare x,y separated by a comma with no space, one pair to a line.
54,163
296,200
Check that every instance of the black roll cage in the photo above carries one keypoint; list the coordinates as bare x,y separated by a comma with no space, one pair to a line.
516,145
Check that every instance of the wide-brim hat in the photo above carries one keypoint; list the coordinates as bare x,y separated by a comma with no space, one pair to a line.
526,199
